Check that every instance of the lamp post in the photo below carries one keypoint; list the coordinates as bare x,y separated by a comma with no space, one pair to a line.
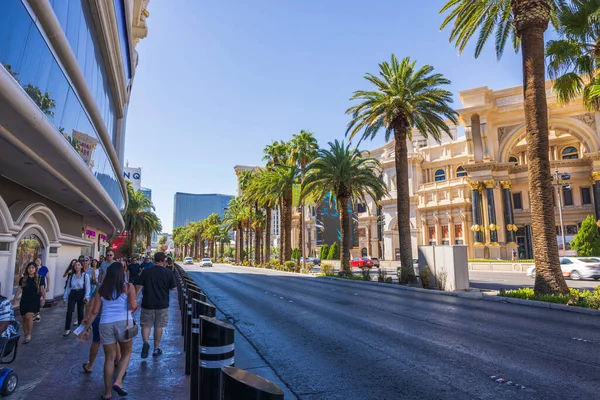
559,179
380,225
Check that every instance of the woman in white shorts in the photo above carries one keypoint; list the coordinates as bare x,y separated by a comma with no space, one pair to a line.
117,300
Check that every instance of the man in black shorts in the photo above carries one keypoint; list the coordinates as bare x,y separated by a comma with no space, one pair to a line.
156,281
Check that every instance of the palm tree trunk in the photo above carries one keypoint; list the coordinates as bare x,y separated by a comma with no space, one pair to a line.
281,230
257,235
132,241
241,231
531,20
267,235
222,248
342,203
407,273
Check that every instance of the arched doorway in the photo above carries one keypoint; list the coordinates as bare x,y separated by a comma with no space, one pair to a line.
29,247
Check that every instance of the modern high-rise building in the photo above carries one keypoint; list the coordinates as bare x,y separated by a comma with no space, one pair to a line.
147,192
189,207
66,73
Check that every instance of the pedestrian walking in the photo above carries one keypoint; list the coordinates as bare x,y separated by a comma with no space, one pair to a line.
32,289
79,292
43,272
94,329
105,264
170,265
95,273
147,263
114,302
156,283
133,271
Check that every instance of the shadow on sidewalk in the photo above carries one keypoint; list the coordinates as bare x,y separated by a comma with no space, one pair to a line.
50,366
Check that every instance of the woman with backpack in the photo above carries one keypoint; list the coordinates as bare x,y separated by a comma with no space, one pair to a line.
78,285
33,290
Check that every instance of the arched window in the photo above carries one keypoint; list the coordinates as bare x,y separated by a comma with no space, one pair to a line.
513,159
440,175
460,172
570,153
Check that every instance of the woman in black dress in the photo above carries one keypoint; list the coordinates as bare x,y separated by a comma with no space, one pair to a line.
33,289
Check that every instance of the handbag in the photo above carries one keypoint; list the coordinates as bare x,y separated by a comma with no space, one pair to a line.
130,331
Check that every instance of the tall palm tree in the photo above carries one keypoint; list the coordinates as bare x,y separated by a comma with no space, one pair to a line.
404,98
303,149
573,61
524,21
266,200
234,217
139,216
343,172
281,179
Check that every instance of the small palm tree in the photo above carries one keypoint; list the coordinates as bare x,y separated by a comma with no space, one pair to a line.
234,219
404,98
139,216
573,60
524,23
303,149
343,172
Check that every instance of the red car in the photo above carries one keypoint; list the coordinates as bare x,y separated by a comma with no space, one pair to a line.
361,262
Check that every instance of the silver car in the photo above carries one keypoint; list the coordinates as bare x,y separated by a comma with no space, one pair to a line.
206,262
576,268
188,260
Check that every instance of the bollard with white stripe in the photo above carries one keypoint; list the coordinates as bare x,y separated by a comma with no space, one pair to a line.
199,308
239,384
216,351
189,328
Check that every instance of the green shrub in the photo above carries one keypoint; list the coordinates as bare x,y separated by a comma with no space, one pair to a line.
295,253
366,274
327,269
334,252
577,298
309,267
388,279
425,275
324,252
587,239
289,266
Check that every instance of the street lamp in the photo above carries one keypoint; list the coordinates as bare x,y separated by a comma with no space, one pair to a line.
380,225
559,180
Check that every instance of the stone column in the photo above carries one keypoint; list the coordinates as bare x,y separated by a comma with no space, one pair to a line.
596,181
491,209
478,226
509,218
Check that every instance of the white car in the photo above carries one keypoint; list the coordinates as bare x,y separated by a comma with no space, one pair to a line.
206,262
188,260
576,268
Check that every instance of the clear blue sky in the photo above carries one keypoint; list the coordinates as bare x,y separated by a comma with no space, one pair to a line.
217,81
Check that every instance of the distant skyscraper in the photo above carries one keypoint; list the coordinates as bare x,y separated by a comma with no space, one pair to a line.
147,192
190,207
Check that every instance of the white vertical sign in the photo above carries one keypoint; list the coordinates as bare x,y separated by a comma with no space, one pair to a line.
133,175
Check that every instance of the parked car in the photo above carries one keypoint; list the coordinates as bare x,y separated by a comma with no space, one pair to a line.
206,262
313,260
188,260
576,268
361,262
375,262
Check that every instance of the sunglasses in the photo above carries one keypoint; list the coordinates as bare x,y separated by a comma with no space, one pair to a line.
110,255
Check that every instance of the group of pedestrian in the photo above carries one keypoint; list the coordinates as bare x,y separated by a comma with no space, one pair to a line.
105,294
111,313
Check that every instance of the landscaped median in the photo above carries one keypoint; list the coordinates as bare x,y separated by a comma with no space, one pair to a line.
575,298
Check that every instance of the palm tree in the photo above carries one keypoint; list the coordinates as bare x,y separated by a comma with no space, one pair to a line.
139,217
280,180
343,172
573,60
234,216
265,200
405,98
524,21
303,149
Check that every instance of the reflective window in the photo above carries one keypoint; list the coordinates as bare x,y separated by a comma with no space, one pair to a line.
586,196
77,23
513,159
25,54
460,172
568,196
517,201
440,175
570,153
124,37
28,249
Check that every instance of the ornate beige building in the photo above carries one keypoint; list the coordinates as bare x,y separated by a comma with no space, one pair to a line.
473,189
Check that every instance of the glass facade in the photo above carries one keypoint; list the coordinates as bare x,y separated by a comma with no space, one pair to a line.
26,56
123,37
195,207
76,20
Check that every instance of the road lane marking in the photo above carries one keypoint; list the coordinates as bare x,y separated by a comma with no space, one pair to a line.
281,298
582,340
503,381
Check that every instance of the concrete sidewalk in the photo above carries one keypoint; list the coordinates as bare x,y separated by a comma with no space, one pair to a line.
50,366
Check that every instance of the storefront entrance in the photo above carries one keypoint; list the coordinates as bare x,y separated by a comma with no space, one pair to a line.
28,249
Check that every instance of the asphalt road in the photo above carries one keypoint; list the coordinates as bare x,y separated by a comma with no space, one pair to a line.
334,339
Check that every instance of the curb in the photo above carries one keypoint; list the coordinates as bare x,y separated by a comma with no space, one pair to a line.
464,295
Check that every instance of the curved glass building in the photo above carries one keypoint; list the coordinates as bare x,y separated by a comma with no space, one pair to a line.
66,72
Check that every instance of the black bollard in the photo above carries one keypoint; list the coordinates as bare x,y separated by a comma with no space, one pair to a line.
216,351
199,308
189,323
239,384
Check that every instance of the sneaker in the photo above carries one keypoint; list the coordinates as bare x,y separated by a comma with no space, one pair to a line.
67,333
37,318
156,352
145,350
